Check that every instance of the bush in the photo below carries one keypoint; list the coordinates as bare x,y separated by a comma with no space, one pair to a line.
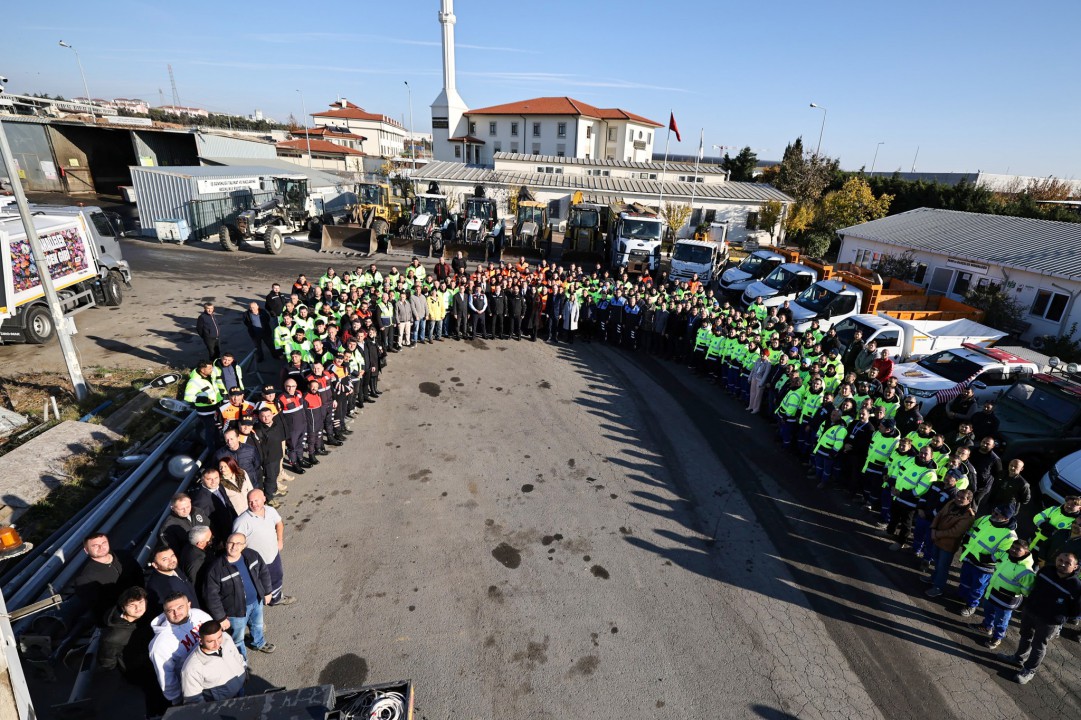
816,245
1066,348
1000,309
901,267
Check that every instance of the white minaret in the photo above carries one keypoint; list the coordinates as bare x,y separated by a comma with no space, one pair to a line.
448,108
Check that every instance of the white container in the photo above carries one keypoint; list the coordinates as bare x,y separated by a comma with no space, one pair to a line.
172,230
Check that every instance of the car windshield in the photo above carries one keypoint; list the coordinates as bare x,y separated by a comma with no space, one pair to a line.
585,218
815,298
779,278
1038,407
641,229
751,264
950,366
696,254
369,194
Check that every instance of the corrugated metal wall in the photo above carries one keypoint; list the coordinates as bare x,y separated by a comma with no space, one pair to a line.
164,195
209,145
30,146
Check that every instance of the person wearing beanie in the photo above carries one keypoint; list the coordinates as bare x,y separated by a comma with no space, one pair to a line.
989,539
1010,583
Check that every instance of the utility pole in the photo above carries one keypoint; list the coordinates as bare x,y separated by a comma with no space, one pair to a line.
412,140
307,135
67,347
86,89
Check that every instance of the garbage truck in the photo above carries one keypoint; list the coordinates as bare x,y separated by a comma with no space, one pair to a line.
84,259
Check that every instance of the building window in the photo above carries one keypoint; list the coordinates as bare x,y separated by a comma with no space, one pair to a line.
561,130
514,129
561,150
597,172
536,148
649,136
1050,305
457,151
752,221
639,134
711,215
961,283
514,148
920,274
491,128
472,128
536,129
611,134
498,147
589,131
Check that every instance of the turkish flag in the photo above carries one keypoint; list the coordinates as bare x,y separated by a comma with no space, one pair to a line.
672,126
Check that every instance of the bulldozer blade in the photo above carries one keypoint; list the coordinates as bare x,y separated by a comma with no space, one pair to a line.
347,238
474,252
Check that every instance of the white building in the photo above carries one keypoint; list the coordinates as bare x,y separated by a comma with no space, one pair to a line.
324,154
132,105
1038,262
554,180
383,136
184,110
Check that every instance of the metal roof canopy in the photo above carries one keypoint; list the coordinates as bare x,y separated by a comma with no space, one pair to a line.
1045,247
677,167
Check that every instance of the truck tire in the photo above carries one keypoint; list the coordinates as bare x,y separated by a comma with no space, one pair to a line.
225,239
380,227
111,288
436,247
272,241
39,325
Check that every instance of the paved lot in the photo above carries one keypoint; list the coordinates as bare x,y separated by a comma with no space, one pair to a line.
526,531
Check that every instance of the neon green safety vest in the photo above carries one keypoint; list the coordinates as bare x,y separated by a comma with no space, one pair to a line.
1013,576
203,393
812,401
790,405
1054,519
831,438
714,349
915,478
704,337
986,543
880,449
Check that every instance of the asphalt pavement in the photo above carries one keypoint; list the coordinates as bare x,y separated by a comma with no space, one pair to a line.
528,530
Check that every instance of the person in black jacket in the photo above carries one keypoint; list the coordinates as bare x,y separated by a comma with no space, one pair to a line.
259,326
163,579
107,574
237,587
1011,489
182,518
988,466
374,359
209,500
271,434
985,423
517,311
194,556
498,307
125,637
1054,599
908,417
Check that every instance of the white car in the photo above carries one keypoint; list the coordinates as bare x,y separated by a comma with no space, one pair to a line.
940,377
1064,478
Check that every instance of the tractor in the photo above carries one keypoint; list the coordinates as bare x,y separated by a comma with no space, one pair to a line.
584,240
532,235
430,220
482,232
291,209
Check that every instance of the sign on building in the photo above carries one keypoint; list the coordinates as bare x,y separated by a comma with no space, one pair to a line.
212,186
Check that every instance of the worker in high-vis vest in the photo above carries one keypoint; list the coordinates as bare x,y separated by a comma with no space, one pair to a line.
912,482
989,538
702,340
812,400
711,361
282,334
1010,583
205,396
903,453
883,442
831,438
1056,518
788,412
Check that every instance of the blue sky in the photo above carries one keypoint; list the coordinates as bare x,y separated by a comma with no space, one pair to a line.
975,86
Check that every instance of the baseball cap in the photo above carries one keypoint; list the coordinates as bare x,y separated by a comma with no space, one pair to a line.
247,421
269,389
889,423
236,391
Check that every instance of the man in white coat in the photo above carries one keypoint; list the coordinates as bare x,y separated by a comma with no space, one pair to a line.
176,635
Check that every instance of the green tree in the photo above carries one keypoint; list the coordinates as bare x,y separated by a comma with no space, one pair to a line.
769,215
816,244
676,215
853,204
804,176
741,167
1000,309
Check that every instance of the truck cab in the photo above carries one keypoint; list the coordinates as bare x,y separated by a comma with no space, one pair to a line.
937,378
735,280
785,282
704,258
828,301
635,241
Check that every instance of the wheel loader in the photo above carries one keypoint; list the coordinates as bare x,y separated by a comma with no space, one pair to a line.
376,213
482,233
584,241
430,224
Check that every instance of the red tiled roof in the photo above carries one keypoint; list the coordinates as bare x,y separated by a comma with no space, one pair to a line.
325,131
318,146
466,139
561,106
356,113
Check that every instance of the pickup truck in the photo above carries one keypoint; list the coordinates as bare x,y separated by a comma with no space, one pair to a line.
909,340
940,377
735,280
784,283
704,258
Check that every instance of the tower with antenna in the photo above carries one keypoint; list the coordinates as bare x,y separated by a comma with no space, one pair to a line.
172,82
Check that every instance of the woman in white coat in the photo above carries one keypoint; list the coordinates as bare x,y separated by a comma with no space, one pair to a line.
572,308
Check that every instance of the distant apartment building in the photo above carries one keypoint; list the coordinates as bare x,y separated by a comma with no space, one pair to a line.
383,136
132,105
184,110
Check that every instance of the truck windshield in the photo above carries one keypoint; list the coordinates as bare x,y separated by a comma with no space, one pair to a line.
369,195
1038,407
585,218
950,366
815,298
751,264
641,229
530,214
846,330
694,254
779,278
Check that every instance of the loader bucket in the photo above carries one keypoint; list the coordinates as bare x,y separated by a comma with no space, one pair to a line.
340,238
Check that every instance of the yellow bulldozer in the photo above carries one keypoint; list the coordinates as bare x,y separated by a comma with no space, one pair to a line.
377,213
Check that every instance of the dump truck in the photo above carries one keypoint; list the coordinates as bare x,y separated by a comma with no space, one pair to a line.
84,258
584,239
634,237
292,208
847,290
531,236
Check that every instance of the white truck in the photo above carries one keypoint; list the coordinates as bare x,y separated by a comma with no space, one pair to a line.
704,258
909,340
83,256
828,302
939,377
785,282
735,280
635,238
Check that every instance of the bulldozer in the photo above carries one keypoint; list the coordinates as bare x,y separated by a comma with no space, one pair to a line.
481,236
291,209
584,241
375,214
532,235
429,223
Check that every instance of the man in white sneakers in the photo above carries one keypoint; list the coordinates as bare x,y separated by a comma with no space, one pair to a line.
176,635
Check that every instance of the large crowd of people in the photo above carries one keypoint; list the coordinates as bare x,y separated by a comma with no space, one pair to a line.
182,628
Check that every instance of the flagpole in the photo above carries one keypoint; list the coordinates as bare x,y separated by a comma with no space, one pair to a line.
664,171
698,159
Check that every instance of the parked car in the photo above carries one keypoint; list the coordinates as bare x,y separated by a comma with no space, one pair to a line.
1040,421
1064,478
939,377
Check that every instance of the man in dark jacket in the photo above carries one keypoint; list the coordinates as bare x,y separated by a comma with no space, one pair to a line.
988,468
194,556
908,417
182,518
206,327
258,324
125,637
985,423
497,305
1011,489
209,500
107,574
275,302
271,434
517,311
237,587
1055,598
163,579
245,454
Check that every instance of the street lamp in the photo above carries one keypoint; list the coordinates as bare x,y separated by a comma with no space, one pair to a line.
307,135
412,140
876,157
79,60
821,129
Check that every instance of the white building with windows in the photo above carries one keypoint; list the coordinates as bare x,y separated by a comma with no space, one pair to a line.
1038,262
383,136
